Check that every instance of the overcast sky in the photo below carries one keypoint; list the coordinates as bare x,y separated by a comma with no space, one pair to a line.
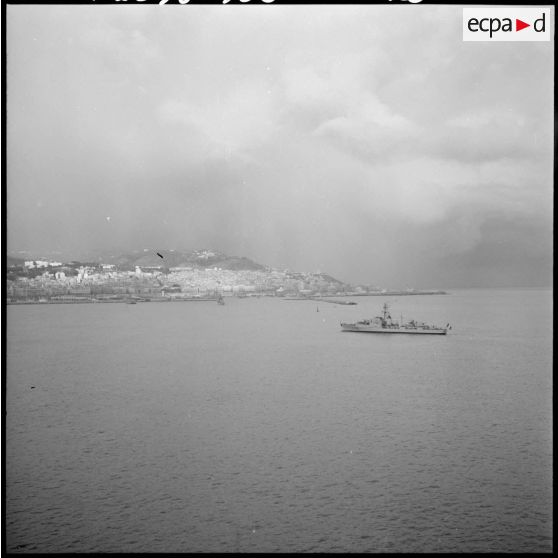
368,142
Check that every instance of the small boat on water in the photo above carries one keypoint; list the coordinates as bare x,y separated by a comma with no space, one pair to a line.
385,324
220,300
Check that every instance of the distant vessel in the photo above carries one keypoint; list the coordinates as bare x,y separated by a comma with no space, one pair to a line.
385,324
220,300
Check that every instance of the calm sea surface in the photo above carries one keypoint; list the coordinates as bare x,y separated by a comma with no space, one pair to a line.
260,426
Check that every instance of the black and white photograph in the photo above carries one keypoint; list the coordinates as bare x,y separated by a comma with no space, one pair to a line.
334,223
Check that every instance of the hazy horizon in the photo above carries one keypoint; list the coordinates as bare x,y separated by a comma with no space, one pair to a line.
368,142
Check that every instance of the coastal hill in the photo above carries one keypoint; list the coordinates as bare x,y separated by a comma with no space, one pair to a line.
174,258
148,257
167,274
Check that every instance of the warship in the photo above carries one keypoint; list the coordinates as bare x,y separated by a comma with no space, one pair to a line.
385,324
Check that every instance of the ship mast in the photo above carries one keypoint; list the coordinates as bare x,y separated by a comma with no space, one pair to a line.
386,307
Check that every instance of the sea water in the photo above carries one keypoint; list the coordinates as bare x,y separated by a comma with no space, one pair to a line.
261,426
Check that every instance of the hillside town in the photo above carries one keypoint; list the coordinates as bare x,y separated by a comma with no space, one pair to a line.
202,275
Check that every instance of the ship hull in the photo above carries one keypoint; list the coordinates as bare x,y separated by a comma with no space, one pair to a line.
368,329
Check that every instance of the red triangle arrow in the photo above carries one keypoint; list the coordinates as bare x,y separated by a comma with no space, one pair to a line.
519,25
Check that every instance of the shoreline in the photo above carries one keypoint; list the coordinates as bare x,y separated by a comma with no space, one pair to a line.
322,298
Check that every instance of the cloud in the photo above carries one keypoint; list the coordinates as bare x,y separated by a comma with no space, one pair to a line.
350,138
233,121
486,135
